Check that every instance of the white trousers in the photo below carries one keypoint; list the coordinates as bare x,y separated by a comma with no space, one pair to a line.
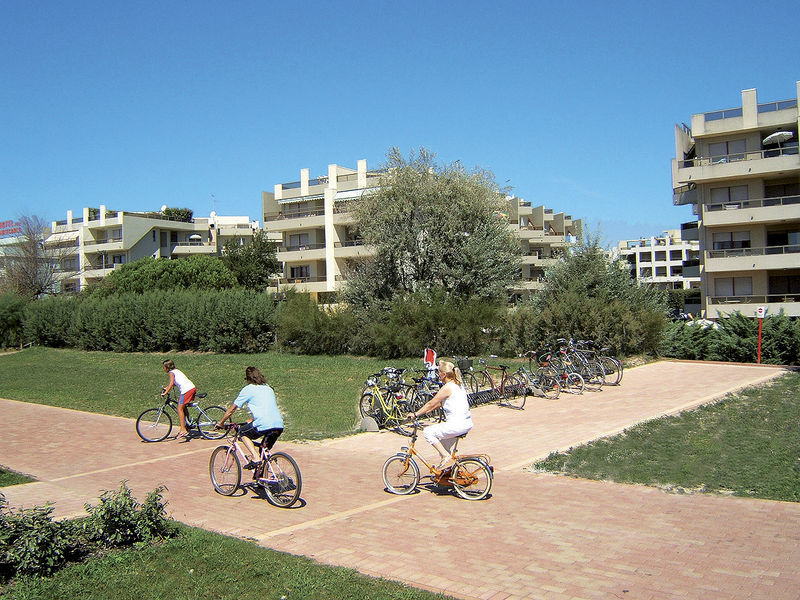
446,432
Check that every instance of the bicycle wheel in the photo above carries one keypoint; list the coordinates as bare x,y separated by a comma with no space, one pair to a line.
368,406
470,382
573,383
207,420
548,382
613,370
282,480
400,474
593,376
513,392
485,382
472,478
225,470
154,425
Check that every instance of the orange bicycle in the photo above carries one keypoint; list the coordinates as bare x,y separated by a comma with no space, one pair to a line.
471,476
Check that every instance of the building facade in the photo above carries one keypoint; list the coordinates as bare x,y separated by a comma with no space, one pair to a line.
662,260
740,169
101,240
319,242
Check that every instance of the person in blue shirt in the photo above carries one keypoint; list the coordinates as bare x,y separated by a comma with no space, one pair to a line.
267,420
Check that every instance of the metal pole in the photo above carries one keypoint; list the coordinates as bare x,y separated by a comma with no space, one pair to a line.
760,322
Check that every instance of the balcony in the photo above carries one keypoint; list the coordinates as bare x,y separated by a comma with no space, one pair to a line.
287,253
193,248
106,245
300,284
748,259
294,214
763,210
352,249
752,163
719,306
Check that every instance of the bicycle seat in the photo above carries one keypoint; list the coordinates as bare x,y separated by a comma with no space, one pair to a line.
504,367
201,395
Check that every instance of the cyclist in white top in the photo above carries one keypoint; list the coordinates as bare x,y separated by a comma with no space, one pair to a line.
186,390
452,397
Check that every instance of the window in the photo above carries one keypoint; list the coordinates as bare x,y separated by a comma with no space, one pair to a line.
661,255
173,237
779,239
646,272
299,272
118,259
164,239
782,190
676,255
730,195
298,241
721,152
784,284
733,286
728,240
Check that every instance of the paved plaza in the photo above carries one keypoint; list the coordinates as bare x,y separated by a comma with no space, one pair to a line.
537,536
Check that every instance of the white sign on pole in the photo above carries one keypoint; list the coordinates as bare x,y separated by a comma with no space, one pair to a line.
761,311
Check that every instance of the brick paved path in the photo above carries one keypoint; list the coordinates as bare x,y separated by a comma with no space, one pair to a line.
538,536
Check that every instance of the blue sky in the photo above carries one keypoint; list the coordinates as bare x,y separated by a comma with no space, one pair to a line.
205,104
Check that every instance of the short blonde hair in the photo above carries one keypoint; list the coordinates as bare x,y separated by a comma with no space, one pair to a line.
450,371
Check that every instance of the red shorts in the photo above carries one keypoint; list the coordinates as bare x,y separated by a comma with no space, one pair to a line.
187,397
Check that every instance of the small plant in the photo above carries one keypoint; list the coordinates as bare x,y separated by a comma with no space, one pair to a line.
31,542
119,520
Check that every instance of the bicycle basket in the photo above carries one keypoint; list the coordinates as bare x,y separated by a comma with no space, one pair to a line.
465,364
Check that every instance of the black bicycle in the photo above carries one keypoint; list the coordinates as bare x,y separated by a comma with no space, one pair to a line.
155,424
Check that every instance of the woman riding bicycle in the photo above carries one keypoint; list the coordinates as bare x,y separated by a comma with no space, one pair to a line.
452,397
267,420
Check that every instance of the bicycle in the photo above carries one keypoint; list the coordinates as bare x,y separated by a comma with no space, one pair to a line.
387,404
470,476
510,392
544,378
276,472
570,381
585,363
155,424
611,365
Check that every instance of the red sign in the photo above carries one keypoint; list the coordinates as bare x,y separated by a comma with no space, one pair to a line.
8,228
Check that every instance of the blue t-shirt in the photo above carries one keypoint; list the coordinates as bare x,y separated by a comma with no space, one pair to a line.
260,400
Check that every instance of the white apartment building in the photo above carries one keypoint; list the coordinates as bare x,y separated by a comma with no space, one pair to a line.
740,169
314,221
662,260
105,239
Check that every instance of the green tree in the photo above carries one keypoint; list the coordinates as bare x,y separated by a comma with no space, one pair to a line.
434,227
252,264
587,295
194,273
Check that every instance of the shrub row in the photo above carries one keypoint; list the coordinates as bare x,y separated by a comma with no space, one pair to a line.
32,543
735,338
219,321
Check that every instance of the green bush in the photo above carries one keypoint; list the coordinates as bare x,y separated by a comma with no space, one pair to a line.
304,327
119,520
12,308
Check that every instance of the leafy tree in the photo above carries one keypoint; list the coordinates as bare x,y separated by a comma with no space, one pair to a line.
179,214
32,266
587,295
12,308
194,273
434,226
252,264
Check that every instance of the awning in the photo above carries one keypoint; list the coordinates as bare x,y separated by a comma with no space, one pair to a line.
61,237
302,199
355,193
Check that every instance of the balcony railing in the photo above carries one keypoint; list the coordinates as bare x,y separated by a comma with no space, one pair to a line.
294,214
775,106
106,241
766,250
290,280
348,243
761,299
756,203
702,161
723,114
299,247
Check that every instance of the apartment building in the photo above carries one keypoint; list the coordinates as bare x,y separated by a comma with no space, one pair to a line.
92,245
663,260
319,241
740,169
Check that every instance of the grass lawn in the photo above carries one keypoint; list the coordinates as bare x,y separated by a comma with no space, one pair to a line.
200,564
12,478
317,394
748,444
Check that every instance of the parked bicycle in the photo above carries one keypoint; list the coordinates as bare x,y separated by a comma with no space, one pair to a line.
611,365
276,472
540,379
384,399
584,362
470,476
155,424
506,387
569,380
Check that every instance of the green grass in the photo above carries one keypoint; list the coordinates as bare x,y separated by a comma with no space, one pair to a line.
8,477
748,444
317,394
200,564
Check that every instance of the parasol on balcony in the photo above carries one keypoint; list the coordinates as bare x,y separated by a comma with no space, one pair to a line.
778,137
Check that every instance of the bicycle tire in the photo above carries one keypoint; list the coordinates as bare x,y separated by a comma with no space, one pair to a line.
225,470
613,369
514,395
472,478
206,425
400,474
548,383
573,383
368,408
154,425
470,382
282,480
593,376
